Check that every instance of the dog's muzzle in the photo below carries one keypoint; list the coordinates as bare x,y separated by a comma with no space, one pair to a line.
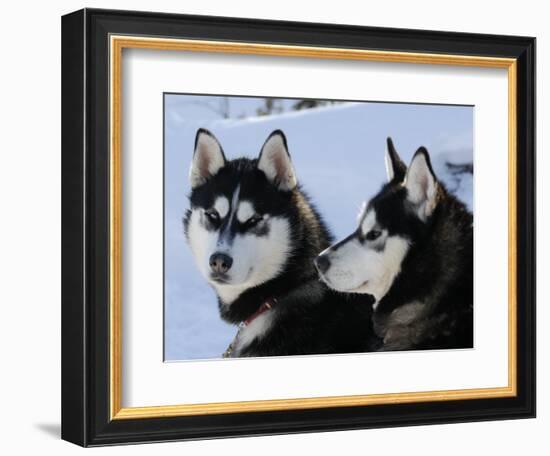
220,263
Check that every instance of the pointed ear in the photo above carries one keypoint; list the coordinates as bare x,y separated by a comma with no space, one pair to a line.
421,184
208,158
275,162
395,168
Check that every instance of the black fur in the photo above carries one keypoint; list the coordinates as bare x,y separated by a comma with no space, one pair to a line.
308,317
437,272
399,168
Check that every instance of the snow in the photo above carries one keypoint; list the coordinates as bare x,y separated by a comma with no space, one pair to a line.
338,154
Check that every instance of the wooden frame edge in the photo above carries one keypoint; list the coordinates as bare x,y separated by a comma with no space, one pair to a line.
164,411
115,234
116,45
512,227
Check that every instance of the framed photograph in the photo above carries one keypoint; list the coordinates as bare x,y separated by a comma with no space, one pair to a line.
278,227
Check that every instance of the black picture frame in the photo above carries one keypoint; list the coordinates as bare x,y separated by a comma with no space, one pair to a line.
85,221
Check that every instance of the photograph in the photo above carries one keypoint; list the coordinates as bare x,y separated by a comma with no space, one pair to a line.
316,227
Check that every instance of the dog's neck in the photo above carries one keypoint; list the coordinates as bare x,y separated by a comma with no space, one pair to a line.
249,301
439,263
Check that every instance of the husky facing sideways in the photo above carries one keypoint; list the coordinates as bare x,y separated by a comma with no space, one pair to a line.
413,252
254,236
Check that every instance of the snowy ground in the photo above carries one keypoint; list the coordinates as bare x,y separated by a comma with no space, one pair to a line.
338,153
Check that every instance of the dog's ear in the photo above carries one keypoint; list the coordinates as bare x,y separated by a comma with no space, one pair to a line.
208,158
395,168
421,184
275,162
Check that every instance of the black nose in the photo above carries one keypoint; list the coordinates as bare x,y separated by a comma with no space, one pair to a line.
220,262
322,263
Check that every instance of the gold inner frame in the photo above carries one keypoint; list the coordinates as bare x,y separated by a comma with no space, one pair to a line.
117,44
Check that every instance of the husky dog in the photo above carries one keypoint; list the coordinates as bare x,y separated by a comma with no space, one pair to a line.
413,252
254,235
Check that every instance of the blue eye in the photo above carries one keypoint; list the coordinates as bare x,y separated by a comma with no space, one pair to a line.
212,215
372,235
253,221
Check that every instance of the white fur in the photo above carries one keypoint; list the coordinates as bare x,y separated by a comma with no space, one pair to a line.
245,211
201,241
362,212
360,268
208,159
255,259
228,293
222,206
389,165
368,222
421,187
258,259
255,330
276,164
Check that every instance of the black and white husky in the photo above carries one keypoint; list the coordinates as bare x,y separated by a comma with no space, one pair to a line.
254,235
413,252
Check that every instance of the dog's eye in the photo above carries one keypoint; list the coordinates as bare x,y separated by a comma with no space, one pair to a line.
212,215
372,235
253,221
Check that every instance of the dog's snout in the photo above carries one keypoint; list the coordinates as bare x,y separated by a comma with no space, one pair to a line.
220,262
322,263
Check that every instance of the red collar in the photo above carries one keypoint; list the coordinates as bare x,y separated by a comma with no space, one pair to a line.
268,304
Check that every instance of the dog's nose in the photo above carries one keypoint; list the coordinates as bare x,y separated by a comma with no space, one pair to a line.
322,263
220,262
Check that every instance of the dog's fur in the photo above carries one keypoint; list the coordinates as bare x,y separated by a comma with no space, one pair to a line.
413,251
254,235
